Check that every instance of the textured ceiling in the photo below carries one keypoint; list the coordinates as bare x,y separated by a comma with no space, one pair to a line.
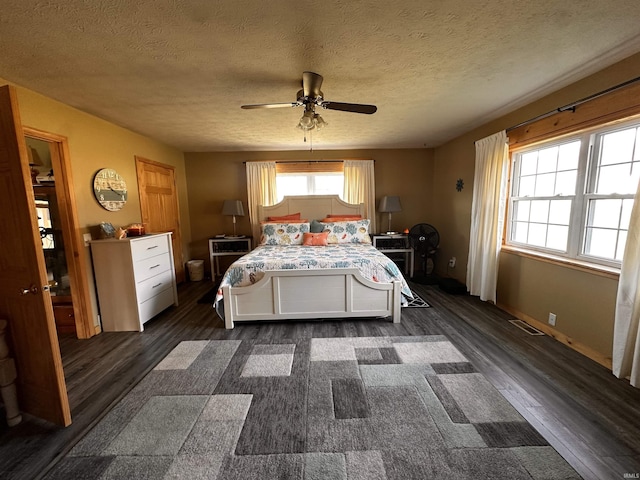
178,71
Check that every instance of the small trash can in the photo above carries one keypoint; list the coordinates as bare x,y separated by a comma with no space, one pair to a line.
196,270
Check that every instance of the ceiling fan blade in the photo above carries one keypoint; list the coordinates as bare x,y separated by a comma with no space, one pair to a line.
311,83
350,107
271,105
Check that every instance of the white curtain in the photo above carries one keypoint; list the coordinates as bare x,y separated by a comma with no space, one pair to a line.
626,339
261,188
359,187
487,215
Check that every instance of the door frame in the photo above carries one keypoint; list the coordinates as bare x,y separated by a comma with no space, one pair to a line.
75,251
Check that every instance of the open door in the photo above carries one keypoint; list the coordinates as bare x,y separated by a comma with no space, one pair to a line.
25,301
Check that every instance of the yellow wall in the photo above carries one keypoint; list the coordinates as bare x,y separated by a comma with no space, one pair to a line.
214,177
584,302
95,144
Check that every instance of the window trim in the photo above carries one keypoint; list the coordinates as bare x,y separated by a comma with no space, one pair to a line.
312,166
592,268
619,105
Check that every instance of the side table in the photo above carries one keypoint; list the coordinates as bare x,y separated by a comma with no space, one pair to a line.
395,244
223,246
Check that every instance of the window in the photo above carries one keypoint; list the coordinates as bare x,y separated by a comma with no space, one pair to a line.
320,178
573,197
44,225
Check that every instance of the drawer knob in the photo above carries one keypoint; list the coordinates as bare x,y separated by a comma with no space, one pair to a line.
154,266
157,285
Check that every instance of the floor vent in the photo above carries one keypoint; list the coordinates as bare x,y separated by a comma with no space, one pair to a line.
526,327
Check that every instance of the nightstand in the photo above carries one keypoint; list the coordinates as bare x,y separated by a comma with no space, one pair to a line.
224,246
397,248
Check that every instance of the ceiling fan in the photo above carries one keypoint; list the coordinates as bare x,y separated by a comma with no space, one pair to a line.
309,97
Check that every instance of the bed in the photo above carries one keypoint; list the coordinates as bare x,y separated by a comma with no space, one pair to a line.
278,281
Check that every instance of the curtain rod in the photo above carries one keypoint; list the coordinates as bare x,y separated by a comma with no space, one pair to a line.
309,161
572,106
298,161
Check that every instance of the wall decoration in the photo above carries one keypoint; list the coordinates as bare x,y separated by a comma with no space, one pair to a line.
107,230
459,185
110,189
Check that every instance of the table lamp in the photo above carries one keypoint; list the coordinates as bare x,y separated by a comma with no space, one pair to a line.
233,208
34,161
390,204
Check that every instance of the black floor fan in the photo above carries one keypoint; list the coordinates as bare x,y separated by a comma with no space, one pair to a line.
425,239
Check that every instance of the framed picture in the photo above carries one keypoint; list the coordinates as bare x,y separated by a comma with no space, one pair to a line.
107,230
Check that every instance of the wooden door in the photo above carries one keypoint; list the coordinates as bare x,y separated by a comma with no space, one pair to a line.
23,302
159,205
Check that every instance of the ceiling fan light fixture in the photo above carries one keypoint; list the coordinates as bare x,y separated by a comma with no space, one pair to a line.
307,121
319,121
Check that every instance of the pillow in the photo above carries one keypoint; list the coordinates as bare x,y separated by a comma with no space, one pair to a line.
284,218
341,219
315,239
352,231
316,226
283,233
345,216
302,220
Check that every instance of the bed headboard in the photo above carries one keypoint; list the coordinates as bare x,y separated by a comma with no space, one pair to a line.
311,207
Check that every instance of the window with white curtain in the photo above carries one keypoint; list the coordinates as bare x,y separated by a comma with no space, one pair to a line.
572,197
309,184
309,178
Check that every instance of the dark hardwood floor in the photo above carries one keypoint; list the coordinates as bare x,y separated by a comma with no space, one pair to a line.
589,416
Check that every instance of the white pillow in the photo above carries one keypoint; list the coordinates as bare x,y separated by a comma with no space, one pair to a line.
350,231
277,233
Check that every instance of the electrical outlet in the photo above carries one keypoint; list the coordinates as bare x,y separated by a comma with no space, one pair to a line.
552,319
87,238
452,262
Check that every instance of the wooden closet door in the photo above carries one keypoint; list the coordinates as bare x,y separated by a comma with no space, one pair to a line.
25,301
159,205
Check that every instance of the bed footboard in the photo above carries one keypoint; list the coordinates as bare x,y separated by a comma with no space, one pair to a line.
311,294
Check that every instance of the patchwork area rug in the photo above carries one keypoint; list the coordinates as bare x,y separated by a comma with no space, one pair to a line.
315,409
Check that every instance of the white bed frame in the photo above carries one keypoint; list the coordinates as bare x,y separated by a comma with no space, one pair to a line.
311,294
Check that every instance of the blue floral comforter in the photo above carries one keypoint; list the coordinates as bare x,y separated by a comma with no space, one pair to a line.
371,263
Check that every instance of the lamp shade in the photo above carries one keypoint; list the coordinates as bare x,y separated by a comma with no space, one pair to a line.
233,207
34,158
390,204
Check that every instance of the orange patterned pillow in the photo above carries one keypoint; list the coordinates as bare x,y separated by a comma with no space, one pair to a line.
350,217
315,239
295,220
340,218
284,218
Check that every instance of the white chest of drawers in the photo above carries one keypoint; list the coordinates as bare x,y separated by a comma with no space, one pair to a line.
135,278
